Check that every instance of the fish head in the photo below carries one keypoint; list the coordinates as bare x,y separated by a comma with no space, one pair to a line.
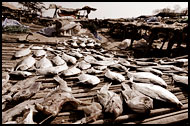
140,104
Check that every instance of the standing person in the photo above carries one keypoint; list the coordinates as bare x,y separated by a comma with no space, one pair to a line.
93,27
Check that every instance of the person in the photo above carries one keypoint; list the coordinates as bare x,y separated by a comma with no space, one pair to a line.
93,27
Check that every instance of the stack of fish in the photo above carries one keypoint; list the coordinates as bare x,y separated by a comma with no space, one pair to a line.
86,64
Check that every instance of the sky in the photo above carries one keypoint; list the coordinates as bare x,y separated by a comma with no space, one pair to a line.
116,9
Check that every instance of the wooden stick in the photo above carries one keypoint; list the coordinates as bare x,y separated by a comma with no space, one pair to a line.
155,112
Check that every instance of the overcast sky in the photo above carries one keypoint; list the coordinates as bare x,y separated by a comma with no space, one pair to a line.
118,9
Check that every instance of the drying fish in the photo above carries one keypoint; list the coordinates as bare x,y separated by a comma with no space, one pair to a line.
100,67
163,67
88,79
60,47
92,112
21,45
93,71
5,87
68,58
9,114
114,76
111,101
22,84
180,79
71,71
123,61
43,63
166,63
37,47
76,54
62,83
136,101
83,65
99,57
83,44
5,78
169,68
179,69
23,52
149,69
147,77
156,92
48,48
91,44
140,63
39,53
74,44
52,70
54,101
11,122
25,64
184,61
20,73
58,61
27,91
29,118
90,59
118,67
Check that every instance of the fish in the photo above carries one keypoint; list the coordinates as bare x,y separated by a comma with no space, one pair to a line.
91,44
114,76
169,68
83,65
76,54
69,59
71,71
147,77
26,63
100,67
27,92
53,101
83,44
5,87
39,53
20,73
23,52
135,100
74,44
29,118
180,79
149,69
54,70
25,89
23,84
123,61
111,101
157,92
88,79
57,60
60,47
37,47
48,48
63,84
92,112
43,63
118,67
5,78
100,57
90,59
9,114
140,63
93,71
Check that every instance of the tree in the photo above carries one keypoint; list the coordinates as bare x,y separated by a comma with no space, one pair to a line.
33,7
